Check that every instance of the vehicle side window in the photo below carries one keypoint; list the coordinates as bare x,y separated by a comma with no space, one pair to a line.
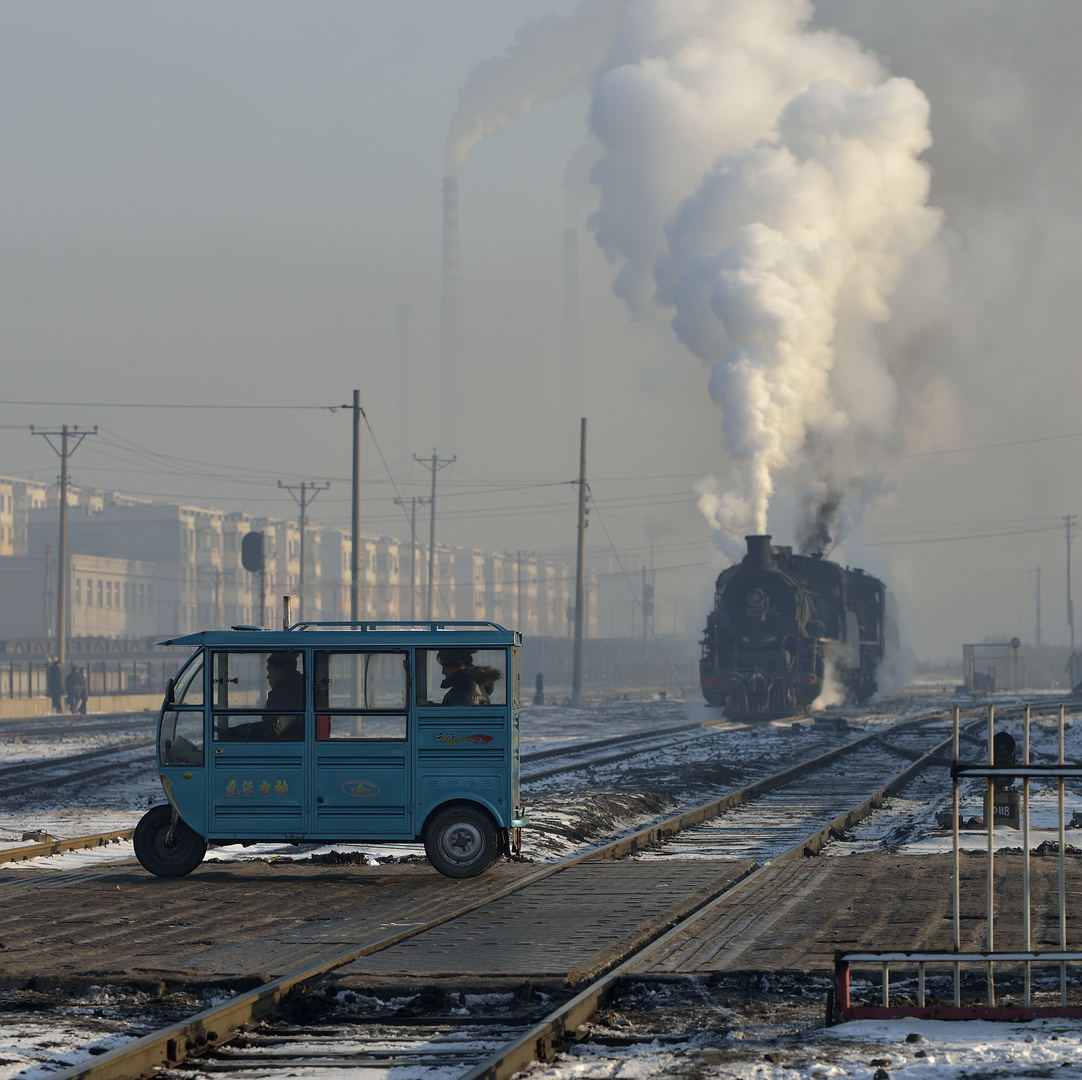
181,738
463,677
361,695
258,696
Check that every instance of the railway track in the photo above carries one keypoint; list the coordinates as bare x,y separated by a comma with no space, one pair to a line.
63,726
221,1039
575,757
57,772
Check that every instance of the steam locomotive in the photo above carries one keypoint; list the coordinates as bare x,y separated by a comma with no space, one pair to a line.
782,624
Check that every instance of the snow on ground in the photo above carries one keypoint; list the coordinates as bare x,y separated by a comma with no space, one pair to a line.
573,810
913,823
746,1036
899,1050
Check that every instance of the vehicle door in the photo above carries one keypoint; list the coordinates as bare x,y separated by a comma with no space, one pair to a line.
258,718
464,732
360,776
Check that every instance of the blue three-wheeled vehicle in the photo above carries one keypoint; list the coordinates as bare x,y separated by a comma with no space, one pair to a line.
345,733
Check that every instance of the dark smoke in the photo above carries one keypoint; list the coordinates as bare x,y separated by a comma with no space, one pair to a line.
818,523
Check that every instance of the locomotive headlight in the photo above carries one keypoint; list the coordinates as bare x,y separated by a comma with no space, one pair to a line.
756,598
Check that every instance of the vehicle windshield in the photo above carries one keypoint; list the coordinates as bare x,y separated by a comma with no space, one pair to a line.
188,685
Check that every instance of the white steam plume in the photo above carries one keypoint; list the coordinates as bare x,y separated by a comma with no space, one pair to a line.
550,57
765,181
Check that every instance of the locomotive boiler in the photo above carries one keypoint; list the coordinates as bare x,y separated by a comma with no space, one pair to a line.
785,624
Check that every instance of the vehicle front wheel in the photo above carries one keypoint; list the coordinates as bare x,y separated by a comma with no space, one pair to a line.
164,855
461,840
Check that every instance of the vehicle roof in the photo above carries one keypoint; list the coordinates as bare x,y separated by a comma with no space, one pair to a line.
362,634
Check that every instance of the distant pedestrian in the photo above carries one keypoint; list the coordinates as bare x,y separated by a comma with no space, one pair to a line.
70,680
54,683
79,704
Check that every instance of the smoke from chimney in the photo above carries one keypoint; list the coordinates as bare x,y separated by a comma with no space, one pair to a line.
764,182
549,58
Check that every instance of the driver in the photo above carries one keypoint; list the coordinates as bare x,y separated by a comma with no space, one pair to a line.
286,696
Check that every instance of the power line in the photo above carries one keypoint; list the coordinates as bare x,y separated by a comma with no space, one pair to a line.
951,539
986,446
155,405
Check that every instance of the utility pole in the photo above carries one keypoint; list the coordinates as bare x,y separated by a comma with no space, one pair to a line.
47,596
645,600
580,575
519,555
308,493
213,574
354,555
415,501
1037,571
65,451
435,465
1069,519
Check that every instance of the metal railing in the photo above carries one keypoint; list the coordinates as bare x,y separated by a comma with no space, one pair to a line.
29,678
998,780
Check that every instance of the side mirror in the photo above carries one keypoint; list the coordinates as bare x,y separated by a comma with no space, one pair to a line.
169,692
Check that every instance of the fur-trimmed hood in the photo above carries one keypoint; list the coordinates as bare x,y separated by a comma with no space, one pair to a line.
470,685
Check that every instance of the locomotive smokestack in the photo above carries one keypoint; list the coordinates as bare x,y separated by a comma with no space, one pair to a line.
451,314
760,554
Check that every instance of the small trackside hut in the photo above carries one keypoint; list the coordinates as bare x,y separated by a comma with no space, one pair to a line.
341,733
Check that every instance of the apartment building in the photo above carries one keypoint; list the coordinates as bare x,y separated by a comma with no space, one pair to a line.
165,569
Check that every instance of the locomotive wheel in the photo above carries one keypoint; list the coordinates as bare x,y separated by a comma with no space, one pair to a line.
164,856
460,840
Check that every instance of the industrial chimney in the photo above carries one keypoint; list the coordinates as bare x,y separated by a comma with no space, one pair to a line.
404,389
451,317
571,322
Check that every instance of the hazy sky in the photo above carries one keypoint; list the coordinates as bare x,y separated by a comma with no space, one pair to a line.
226,205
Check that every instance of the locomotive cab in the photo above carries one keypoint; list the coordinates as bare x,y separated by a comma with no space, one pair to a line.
344,733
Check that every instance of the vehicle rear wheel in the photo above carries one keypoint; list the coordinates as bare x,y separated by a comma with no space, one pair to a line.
164,855
461,840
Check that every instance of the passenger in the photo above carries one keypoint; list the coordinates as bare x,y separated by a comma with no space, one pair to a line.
54,684
465,683
286,693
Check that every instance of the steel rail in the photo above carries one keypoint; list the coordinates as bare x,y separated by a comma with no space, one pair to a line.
221,1023
663,830
819,840
13,727
57,847
44,763
67,778
542,1041
597,744
608,759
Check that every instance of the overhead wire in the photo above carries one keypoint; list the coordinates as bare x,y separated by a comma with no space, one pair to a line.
155,405
401,501
634,594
